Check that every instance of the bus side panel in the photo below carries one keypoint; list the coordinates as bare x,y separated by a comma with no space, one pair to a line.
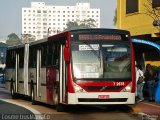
43,85
10,74
50,82
21,81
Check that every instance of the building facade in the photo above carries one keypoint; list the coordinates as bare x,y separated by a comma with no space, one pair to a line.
138,17
42,20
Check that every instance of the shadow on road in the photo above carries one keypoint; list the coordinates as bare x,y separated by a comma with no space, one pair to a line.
78,109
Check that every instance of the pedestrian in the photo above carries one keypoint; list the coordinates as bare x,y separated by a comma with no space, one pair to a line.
140,82
150,79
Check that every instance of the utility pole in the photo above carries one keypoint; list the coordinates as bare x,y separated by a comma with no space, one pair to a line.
48,32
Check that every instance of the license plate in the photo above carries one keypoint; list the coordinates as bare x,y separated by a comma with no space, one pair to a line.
103,96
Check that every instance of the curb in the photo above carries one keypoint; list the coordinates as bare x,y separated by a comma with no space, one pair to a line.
144,116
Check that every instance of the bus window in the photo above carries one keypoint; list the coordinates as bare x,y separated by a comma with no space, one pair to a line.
32,57
21,58
56,55
44,55
11,59
117,62
86,61
53,51
109,61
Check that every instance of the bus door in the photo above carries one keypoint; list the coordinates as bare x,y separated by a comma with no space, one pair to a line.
16,71
63,78
38,75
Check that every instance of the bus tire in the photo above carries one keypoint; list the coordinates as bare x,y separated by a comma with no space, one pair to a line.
55,97
59,107
13,94
32,94
33,97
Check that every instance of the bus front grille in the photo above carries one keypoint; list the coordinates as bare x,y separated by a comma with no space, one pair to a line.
102,100
103,88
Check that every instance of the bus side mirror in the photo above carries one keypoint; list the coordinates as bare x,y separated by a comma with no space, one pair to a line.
66,55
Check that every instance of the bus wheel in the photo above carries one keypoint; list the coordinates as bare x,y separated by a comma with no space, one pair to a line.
55,97
59,107
13,94
12,90
33,97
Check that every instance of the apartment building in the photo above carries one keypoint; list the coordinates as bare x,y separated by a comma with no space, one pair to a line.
41,20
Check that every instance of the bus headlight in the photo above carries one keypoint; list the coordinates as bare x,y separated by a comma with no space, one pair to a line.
77,88
127,88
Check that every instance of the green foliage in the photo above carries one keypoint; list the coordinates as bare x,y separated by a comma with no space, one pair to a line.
26,38
87,23
13,39
72,26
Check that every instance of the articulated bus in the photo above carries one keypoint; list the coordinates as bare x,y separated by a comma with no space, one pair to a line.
77,67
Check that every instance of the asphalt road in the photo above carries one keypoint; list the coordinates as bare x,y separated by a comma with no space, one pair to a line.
10,110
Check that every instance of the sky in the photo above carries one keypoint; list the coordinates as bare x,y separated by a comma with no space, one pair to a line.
11,12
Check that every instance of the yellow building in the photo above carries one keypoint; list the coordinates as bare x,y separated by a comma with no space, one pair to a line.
136,16
133,15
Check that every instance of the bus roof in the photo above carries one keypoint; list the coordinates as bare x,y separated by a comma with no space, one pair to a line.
16,46
66,33
38,41
89,30
100,30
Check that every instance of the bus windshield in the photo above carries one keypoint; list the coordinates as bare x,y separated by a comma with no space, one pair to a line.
108,61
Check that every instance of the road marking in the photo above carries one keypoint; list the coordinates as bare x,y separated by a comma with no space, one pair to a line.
35,112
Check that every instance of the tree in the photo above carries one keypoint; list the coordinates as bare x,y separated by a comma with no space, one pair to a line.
72,25
13,39
154,12
26,38
86,23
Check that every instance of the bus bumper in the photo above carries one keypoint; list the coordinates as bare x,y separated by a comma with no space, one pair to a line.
102,98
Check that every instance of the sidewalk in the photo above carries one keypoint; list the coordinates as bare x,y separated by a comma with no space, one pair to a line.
147,110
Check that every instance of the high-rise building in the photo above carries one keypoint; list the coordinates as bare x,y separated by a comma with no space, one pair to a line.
42,20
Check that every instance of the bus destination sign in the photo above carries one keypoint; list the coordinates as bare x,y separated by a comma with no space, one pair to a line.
99,37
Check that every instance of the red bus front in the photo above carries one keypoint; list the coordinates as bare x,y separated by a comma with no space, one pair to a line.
101,69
